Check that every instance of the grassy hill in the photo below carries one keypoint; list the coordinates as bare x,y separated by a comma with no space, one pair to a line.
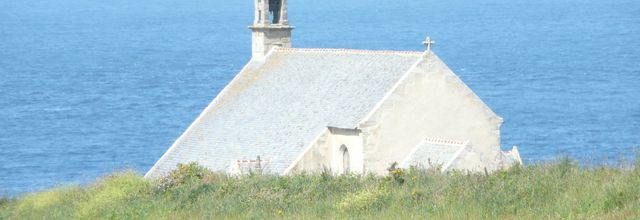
542,191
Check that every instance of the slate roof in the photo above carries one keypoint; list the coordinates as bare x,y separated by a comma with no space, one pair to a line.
434,152
275,107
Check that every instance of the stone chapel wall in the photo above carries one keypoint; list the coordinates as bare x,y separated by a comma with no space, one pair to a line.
325,153
430,102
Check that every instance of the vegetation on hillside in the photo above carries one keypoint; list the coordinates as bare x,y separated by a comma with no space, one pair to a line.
556,190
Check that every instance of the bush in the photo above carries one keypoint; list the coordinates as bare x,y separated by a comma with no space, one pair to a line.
112,196
188,173
4,202
395,173
52,203
363,200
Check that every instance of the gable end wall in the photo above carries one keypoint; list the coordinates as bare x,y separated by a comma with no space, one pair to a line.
430,101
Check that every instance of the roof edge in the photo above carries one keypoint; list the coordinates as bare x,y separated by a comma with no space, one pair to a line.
211,105
304,152
390,92
349,51
464,145
491,114
369,118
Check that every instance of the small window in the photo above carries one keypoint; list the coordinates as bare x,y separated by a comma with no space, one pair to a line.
345,159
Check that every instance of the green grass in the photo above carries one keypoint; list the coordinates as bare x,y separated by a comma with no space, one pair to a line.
559,190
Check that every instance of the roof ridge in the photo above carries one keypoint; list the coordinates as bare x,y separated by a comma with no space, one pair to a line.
351,51
445,141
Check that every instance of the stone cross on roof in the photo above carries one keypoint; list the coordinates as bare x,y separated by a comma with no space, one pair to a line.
428,43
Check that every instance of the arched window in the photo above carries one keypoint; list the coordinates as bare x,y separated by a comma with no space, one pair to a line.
345,159
274,7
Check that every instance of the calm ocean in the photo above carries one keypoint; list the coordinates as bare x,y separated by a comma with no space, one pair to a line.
88,87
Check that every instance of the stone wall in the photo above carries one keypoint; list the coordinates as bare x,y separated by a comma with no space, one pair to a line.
325,153
430,101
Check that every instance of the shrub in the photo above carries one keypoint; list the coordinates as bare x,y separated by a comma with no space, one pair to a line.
4,202
112,196
396,173
36,203
369,198
188,173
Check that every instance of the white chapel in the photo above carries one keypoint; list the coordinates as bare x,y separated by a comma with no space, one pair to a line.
292,110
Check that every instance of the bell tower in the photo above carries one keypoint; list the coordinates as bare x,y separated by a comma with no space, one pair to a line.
270,27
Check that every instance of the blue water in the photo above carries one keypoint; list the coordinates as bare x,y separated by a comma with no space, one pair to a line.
88,87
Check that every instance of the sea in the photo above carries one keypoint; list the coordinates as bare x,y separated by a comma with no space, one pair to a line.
92,87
